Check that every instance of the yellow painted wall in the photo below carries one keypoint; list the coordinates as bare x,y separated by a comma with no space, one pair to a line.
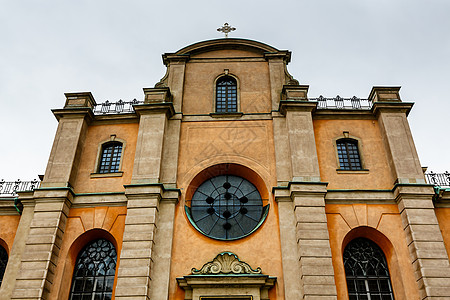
382,224
97,134
8,228
371,149
204,144
253,77
443,216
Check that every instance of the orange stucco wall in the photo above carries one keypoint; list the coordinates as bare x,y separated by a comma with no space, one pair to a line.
84,225
371,149
443,216
382,224
96,135
8,228
206,144
253,82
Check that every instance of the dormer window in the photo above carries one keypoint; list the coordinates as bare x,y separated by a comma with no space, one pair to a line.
226,94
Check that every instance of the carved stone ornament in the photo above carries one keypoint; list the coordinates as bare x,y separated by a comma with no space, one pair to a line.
226,263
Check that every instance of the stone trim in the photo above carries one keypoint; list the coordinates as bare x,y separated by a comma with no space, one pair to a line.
226,263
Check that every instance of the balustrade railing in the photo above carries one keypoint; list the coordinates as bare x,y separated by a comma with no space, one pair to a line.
10,188
119,107
342,103
438,179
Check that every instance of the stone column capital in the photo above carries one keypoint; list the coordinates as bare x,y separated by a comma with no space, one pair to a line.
155,108
299,189
283,55
296,105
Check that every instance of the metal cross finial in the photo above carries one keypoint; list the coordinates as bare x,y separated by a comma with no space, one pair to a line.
226,29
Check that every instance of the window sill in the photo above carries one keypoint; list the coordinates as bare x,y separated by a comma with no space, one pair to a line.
106,175
226,114
361,171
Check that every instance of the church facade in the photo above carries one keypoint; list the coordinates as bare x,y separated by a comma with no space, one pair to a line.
228,182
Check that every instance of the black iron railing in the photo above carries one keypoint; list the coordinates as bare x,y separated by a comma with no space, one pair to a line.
10,188
438,179
342,103
119,107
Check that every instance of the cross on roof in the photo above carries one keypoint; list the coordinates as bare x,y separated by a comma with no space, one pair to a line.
226,29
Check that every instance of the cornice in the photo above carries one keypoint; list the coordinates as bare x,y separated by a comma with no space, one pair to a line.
391,107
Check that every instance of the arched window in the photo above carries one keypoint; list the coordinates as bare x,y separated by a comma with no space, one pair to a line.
348,154
3,263
366,271
226,94
93,277
110,157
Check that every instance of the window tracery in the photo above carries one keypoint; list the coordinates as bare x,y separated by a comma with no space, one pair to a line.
366,271
93,277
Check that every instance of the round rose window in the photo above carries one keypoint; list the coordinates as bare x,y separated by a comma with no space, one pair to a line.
226,207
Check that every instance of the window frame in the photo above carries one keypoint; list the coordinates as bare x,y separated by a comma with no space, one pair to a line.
96,173
216,80
359,145
367,278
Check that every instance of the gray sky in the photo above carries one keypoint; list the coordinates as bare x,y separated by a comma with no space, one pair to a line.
113,49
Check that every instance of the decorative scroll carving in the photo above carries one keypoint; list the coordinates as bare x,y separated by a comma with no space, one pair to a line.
163,81
226,263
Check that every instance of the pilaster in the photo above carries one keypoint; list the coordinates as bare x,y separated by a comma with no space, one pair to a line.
174,78
150,142
307,201
163,245
299,125
137,256
391,113
425,242
43,242
69,139
18,247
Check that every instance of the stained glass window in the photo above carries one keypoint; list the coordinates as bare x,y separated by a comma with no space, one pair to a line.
110,159
366,271
226,94
226,207
348,154
3,263
93,277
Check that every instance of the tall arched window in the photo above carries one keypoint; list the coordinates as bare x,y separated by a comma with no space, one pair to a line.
348,154
110,157
226,94
366,271
93,277
3,262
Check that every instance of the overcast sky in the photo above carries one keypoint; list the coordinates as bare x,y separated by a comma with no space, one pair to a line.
113,49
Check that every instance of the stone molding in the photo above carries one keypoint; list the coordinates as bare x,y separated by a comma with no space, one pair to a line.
80,99
155,107
297,105
226,263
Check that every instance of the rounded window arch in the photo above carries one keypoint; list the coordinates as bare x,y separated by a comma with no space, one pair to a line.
366,271
226,202
226,98
95,268
3,262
